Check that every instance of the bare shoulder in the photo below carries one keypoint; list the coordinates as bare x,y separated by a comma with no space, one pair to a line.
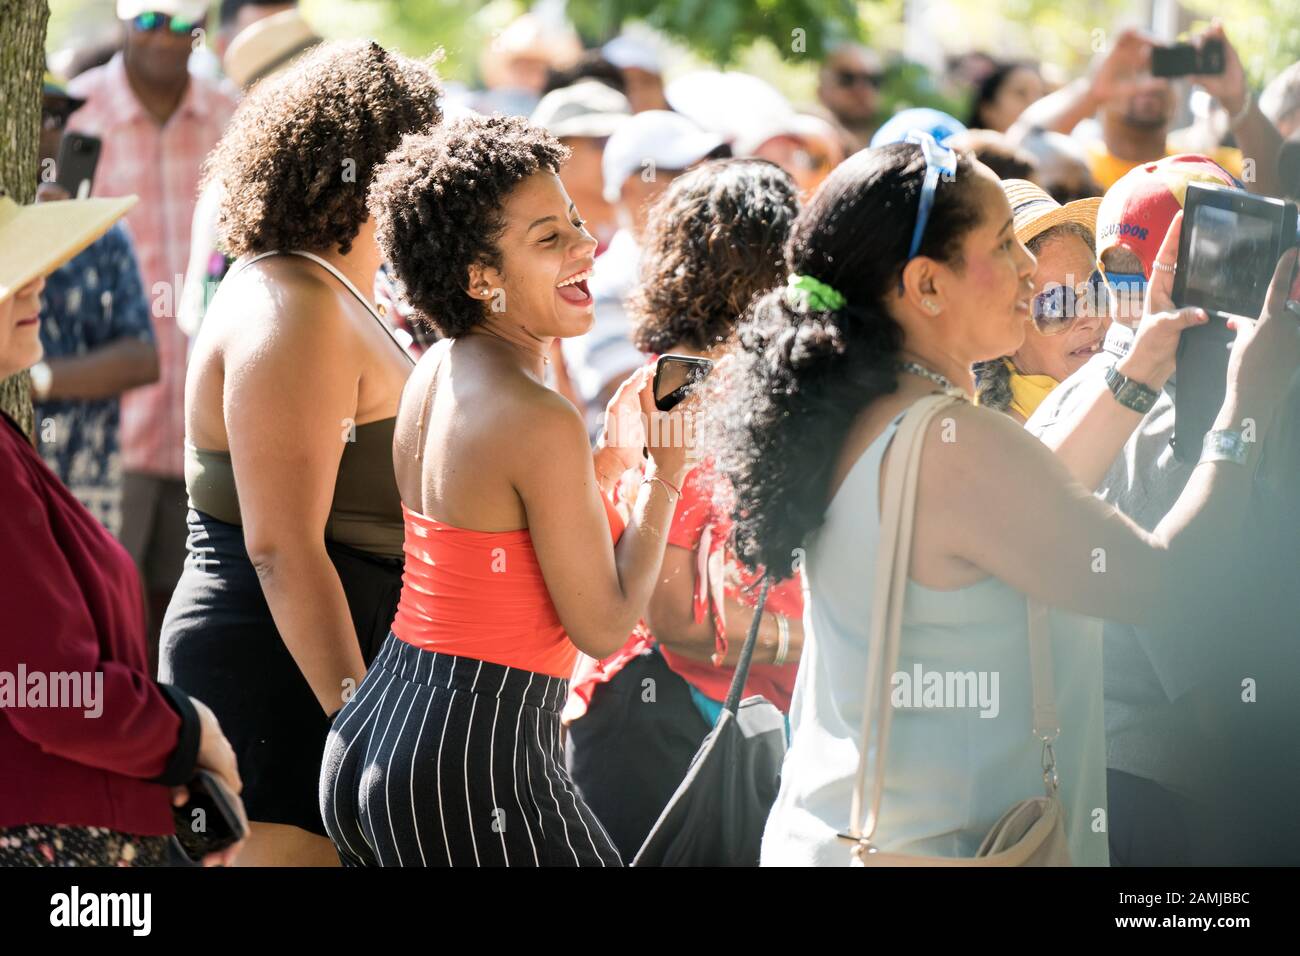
274,306
538,417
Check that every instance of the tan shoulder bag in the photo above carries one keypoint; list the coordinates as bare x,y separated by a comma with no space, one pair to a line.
1031,832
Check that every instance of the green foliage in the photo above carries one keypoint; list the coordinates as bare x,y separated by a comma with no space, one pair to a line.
909,84
720,30
1266,33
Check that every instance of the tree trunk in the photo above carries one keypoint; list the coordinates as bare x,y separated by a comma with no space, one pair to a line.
22,69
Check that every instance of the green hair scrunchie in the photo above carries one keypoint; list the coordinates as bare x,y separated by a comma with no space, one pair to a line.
804,293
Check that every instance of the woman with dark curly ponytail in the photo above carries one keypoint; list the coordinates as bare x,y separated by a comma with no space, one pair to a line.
899,283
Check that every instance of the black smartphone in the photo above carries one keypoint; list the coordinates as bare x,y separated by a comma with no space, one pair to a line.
74,168
209,821
675,376
1183,59
1229,247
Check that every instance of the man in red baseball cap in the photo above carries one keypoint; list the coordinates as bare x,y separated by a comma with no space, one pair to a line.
1134,216
1177,794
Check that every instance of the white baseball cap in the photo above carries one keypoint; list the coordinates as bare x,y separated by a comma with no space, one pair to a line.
728,103
587,108
196,11
660,138
628,52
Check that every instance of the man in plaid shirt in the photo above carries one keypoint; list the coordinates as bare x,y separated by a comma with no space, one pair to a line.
157,123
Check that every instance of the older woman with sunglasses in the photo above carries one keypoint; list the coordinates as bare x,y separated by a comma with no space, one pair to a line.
1071,310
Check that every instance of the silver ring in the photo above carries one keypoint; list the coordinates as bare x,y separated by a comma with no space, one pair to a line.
1293,306
1162,267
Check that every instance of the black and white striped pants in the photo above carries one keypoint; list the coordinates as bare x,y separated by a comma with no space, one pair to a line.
450,761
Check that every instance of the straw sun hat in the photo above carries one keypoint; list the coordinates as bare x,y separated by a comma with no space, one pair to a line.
1035,212
36,240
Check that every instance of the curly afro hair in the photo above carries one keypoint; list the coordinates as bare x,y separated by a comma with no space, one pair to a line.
437,204
714,240
298,157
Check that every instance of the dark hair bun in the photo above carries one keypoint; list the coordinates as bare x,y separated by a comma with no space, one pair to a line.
814,341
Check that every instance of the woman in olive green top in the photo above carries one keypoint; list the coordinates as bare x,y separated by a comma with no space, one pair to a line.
295,524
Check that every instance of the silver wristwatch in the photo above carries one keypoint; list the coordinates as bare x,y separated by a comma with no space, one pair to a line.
1129,393
1224,445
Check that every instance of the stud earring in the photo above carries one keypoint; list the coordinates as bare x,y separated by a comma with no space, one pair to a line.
930,306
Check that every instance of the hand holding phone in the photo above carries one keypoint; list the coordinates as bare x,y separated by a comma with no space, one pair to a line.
676,376
1230,242
74,168
1186,59
210,820
1265,354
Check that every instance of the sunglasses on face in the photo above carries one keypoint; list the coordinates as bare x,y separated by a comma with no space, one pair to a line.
1055,310
847,79
1129,293
148,22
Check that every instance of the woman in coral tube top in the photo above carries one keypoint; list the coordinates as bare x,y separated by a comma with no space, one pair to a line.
449,752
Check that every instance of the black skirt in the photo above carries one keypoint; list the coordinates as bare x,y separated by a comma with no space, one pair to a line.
219,643
450,761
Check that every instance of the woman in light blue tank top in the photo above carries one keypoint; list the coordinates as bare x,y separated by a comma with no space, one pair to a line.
902,277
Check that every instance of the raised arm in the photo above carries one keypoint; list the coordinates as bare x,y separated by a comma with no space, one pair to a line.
1097,429
671,618
1114,77
290,398
599,590
1258,138
1021,517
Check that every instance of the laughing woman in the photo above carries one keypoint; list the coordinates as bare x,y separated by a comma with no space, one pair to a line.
449,754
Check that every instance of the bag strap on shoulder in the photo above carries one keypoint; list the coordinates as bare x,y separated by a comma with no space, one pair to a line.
893,560
741,675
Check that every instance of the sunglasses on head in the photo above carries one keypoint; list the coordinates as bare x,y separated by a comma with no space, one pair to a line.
847,79
1055,310
148,22
939,161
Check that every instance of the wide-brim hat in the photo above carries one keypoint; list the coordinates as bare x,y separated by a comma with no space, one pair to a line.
268,46
36,240
1034,211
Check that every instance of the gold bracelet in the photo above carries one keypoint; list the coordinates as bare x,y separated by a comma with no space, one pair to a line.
783,641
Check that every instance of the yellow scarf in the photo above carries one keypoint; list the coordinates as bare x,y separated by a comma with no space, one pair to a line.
1028,391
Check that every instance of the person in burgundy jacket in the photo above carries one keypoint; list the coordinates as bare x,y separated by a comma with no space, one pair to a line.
93,752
